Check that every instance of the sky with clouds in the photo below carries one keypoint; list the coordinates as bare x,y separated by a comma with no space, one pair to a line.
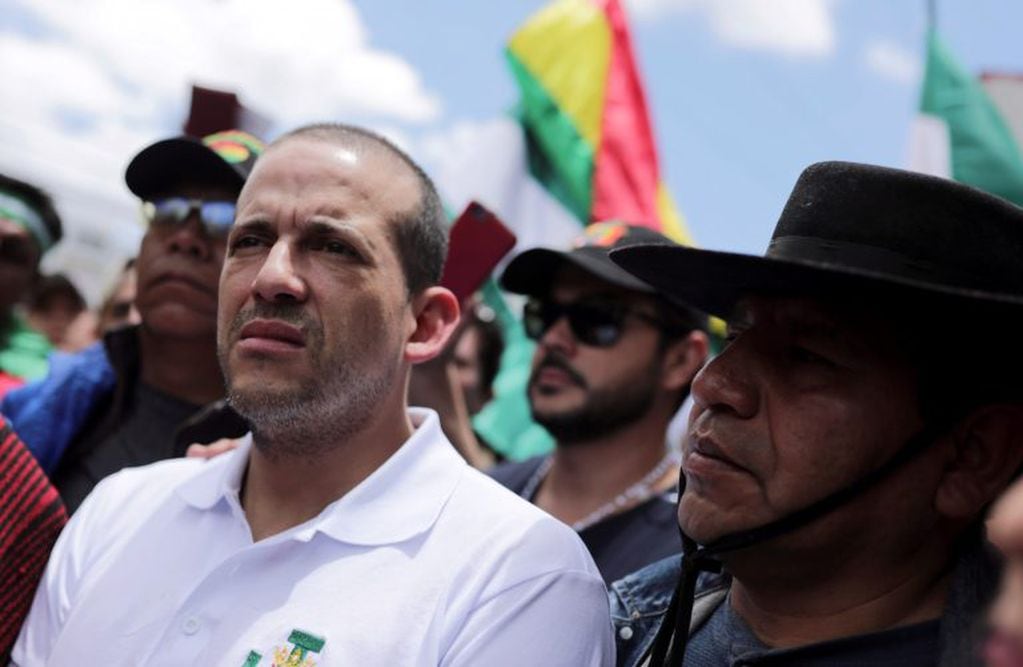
744,93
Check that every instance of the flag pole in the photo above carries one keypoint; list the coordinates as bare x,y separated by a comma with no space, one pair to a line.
932,15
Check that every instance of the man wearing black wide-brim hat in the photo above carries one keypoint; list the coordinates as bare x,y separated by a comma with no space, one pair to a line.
844,445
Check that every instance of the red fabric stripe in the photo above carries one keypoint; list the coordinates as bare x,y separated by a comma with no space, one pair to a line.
626,175
21,481
31,517
16,477
31,556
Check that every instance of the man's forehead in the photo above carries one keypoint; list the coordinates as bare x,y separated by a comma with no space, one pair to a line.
860,324
787,311
363,172
11,229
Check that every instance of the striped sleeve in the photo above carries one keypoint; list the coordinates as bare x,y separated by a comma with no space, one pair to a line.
31,517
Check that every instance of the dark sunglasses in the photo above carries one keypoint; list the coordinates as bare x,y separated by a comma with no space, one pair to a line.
216,217
594,323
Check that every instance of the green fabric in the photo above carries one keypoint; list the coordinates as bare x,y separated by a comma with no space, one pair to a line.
23,350
559,157
983,151
561,160
505,422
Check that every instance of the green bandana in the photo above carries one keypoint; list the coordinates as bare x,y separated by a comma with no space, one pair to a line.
18,211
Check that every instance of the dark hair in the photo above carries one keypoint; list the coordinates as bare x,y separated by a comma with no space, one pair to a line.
964,353
965,357
50,289
39,201
677,322
420,235
491,346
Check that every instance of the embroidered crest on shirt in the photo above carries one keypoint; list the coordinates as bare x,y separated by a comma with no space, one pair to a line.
299,653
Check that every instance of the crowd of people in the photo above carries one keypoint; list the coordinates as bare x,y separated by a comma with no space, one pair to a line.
263,436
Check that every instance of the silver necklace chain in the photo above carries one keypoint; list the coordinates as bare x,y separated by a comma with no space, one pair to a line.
636,494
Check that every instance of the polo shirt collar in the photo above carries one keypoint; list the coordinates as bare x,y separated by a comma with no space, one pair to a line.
399,500
220,478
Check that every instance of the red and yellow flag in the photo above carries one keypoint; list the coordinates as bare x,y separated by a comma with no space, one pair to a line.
585,114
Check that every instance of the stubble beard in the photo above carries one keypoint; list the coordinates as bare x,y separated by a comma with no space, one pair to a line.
604,411
338,401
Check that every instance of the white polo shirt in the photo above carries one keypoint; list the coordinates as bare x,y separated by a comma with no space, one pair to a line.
426,562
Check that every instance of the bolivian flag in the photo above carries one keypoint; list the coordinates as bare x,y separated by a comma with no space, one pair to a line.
578,148
585,116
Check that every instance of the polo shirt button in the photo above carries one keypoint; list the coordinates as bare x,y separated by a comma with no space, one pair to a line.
625,633
190,626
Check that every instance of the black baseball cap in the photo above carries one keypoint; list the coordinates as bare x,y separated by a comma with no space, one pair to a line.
532,272
224,158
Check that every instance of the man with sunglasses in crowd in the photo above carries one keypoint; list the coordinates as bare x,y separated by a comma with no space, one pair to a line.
119,403
612,366
843,447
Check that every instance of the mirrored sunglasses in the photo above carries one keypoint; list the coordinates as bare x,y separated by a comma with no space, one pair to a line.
216,217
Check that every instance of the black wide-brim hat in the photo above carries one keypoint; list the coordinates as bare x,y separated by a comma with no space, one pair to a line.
223,159
850,228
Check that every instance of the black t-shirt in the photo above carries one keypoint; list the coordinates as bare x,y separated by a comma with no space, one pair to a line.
145,435
621,543
726,641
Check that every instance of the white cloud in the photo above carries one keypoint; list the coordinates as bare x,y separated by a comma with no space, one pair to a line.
92,81
440,148
790,27
294,62
892,61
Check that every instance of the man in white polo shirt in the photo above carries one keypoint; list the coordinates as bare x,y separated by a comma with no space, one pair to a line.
346,530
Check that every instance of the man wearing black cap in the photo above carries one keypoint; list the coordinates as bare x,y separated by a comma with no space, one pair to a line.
613,363
118,404
844,445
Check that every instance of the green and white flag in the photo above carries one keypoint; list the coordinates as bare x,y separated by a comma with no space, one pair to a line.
969,128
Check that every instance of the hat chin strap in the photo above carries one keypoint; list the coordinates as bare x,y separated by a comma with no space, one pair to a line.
669,647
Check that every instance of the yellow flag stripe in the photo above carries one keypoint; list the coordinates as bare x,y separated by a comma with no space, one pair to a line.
574,77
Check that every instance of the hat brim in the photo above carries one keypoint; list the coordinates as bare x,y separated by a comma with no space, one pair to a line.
715,281
531,272
173,162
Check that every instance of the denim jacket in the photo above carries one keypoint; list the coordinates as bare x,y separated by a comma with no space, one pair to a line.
639,603
49,413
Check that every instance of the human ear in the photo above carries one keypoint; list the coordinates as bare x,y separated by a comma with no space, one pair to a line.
436,314
986,457
682,359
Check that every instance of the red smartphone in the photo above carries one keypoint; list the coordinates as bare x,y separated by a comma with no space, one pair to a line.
477,241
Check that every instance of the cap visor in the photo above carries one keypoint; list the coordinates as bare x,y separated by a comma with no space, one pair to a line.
532,271
173,162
